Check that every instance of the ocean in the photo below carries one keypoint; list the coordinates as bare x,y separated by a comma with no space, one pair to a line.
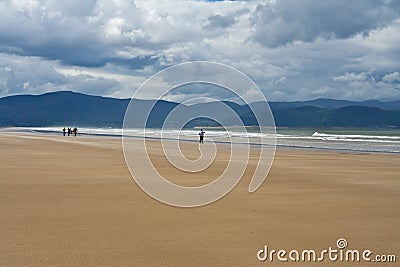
356,140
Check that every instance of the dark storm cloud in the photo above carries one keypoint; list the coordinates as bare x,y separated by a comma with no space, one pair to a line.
84,33
288,21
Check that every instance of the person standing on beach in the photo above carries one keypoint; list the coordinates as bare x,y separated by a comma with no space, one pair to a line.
201,134
64,131
69,131
75,130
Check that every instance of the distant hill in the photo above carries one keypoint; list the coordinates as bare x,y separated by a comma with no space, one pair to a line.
76,109
60,108
352,116
333,104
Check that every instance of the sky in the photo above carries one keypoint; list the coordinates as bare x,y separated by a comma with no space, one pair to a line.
293,50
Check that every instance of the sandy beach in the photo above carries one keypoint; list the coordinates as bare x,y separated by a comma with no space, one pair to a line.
72,201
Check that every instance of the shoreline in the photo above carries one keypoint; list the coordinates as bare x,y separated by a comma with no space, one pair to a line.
16,130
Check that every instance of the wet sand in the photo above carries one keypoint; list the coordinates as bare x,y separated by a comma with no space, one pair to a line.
72,201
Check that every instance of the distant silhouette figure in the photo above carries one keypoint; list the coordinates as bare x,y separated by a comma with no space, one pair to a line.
64,130
69,131
75,130
201,134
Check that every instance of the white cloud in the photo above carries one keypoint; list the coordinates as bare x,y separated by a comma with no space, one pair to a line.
393,77
352,77
357,84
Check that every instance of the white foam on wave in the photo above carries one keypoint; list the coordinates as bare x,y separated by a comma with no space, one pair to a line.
356,137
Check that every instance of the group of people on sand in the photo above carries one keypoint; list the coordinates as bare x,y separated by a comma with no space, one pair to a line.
70,131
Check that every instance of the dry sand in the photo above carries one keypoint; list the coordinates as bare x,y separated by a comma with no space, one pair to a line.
71,201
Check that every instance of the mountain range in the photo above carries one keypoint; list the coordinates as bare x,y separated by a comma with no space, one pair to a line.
71,108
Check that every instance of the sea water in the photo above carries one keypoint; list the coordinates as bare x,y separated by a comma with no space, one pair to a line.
358,140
